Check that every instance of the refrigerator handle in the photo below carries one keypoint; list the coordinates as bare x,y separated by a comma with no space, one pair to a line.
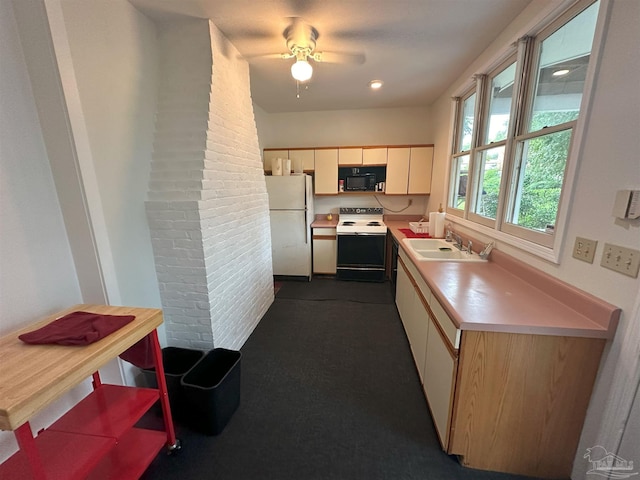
306,227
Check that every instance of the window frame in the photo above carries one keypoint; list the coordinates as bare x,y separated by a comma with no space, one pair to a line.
527,54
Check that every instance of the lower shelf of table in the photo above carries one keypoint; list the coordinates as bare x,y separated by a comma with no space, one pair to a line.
64,455
95,439
135,450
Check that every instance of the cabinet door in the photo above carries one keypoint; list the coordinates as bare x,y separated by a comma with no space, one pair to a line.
397,171
374,156
269,155
404,296
440,367
307,158
349,156
325,250
414,316
420,170
326,173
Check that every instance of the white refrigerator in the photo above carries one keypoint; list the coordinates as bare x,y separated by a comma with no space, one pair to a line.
291,214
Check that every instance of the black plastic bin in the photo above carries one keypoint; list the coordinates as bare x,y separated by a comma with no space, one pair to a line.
176,362
212,390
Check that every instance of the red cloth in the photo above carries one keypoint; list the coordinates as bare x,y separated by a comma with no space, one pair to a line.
84,328
140,354
411,234
77,328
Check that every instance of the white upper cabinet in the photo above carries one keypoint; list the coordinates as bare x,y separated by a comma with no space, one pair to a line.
397,170
420,164
326,171
374,156
349,156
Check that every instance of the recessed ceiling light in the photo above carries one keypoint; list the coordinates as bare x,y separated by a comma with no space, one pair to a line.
560,73
376,84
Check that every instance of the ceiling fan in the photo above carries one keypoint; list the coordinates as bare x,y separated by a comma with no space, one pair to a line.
301,41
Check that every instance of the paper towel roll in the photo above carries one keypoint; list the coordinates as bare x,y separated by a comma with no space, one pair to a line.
276,166
439,230
436,224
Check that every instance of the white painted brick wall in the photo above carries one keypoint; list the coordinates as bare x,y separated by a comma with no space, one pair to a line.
207,204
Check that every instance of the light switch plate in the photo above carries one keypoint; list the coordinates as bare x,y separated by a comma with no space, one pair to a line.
585,249
621,259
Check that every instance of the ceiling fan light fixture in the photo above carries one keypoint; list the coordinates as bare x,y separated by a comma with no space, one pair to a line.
301,70
376,84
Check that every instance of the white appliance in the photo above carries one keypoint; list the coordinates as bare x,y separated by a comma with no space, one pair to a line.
361,245
291,214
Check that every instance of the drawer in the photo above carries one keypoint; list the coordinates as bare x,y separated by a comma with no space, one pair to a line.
417,278
324,232
446,324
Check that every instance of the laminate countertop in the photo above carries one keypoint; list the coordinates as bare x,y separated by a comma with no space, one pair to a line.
506,295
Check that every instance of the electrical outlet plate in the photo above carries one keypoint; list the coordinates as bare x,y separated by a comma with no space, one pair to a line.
585,249
621,259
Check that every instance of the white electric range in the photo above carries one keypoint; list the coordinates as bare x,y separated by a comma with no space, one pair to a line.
362,237
361,220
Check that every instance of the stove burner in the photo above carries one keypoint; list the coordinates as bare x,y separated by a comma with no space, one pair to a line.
373,224
348,223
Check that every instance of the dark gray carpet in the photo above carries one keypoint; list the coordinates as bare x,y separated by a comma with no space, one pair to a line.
329,391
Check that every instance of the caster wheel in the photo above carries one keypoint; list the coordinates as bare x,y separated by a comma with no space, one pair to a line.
176,448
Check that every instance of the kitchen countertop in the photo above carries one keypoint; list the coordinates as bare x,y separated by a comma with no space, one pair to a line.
321,221
506,295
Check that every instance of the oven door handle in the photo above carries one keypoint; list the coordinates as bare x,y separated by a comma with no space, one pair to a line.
362,233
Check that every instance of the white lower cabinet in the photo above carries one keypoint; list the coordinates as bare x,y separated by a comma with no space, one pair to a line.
433,352
325,250
414,317
439,379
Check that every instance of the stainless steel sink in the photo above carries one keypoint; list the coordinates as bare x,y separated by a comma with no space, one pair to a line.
435,250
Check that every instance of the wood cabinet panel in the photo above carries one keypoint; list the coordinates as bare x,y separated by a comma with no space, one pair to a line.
326,172
521,400
420,165
397,171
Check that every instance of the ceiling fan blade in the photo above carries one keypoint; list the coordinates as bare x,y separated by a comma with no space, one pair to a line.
278,56
336,57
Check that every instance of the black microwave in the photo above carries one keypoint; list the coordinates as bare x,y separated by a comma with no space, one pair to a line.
364,181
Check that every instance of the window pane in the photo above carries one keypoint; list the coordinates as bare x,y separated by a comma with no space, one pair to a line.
562,68
500,104
466,127
461,175
542,164
490,173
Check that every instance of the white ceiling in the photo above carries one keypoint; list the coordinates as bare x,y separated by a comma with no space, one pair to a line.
417,47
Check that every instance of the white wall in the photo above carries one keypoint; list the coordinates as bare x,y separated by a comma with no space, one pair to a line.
385,126
609,162
116,74
37,273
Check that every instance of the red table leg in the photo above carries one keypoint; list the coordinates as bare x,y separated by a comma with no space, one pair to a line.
164,397
96,380
27,445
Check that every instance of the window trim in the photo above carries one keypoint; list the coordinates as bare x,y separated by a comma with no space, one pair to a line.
545,26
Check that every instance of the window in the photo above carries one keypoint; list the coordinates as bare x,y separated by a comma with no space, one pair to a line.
514,132
464,141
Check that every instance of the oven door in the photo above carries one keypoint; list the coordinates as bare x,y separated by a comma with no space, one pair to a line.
361,256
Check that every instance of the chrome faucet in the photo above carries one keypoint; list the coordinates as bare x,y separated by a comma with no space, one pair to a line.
469,245
457,240
484,254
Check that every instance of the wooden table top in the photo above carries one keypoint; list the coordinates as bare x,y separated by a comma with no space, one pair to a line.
32,376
